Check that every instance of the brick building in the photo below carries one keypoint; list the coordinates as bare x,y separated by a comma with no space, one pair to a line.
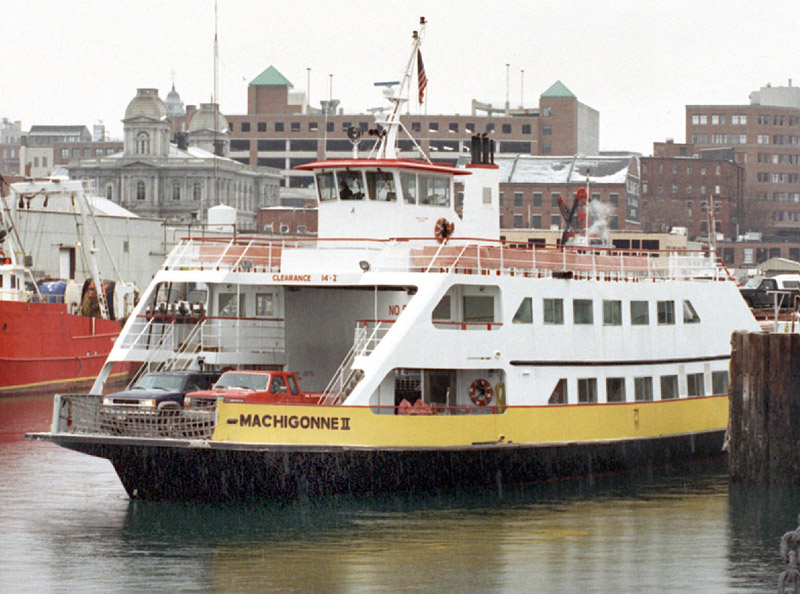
530,187
281,130
765,137
700,194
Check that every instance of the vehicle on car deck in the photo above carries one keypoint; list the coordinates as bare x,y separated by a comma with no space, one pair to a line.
263,387
161,389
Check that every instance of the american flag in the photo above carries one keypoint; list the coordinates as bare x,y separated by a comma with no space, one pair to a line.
422,79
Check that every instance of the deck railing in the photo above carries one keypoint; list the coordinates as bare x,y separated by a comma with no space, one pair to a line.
86,414
216,334
478,257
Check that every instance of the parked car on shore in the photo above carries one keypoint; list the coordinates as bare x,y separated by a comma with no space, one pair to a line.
763,291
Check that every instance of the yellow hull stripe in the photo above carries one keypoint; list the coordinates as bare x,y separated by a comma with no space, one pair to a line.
360,427
75,380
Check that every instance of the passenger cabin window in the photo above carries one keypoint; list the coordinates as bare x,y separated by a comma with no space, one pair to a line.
666,312
441,313
695,385
380,185
643,389
553,311
265,305
719,382
478,308
408,182
612,313
640,313
434,191
669,387
615,389
582,311
559,393
326,187
228,306
689,314
587,390
351,185
524,313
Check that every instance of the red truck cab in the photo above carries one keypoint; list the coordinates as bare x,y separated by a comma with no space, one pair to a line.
262,387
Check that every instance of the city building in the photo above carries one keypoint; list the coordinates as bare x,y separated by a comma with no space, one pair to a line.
531,186
698,194
10,144
153,177
765,138
281,130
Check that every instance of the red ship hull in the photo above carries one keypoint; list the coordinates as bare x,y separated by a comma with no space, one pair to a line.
44,348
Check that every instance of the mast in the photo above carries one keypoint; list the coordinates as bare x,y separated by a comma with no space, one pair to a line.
387,145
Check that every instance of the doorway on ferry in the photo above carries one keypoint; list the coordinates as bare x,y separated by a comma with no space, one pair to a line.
440,387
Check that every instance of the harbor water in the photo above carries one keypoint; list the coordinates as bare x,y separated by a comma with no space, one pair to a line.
67,526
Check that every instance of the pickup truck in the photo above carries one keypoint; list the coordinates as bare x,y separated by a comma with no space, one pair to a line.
153,405
757,291
263,387
161,389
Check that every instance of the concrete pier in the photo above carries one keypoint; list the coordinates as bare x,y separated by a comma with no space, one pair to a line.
764,416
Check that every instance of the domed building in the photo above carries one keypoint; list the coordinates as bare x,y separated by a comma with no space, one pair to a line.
179,181
174,104
209,130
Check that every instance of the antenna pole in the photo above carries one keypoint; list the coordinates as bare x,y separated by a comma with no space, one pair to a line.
215,100
327,111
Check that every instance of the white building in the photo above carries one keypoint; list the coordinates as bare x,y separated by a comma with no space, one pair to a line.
179,181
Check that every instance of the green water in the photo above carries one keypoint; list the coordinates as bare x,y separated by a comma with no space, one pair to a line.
67,526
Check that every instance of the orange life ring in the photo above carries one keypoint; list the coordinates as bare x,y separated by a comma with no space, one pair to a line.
480,392
443,230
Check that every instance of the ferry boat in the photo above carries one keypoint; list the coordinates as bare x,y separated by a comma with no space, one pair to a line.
56,334
445,358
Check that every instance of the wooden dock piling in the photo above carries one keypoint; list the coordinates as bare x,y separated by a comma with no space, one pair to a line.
764,415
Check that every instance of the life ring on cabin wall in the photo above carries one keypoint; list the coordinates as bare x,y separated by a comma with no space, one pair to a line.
443,230
481,392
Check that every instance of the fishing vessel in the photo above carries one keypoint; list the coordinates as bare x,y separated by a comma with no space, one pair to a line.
445,359
54,334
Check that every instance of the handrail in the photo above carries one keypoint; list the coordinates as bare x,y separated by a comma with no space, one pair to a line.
465,325
463,256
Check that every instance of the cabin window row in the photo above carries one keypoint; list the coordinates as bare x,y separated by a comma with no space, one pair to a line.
381,186
583,312
644,388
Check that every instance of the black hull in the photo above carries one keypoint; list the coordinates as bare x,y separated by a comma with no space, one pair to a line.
155,469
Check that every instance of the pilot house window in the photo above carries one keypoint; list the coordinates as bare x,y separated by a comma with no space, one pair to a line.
381,186
434,191
326,187
351,185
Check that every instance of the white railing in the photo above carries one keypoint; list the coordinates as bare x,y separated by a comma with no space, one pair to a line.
366,336
457,256
172,336
236,335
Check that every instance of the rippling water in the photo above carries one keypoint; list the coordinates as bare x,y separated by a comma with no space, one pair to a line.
67,526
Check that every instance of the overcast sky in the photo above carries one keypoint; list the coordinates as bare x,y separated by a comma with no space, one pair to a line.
637,62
